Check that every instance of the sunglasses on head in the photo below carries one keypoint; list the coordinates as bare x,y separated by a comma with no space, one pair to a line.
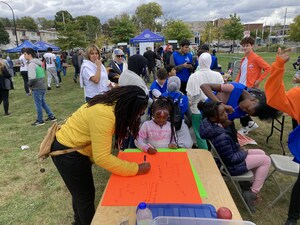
119,56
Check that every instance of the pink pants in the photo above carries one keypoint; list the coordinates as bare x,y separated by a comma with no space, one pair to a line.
259,163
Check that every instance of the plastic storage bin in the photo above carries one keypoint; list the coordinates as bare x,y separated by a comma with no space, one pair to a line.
166,220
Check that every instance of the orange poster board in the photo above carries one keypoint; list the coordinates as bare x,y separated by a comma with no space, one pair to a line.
170,180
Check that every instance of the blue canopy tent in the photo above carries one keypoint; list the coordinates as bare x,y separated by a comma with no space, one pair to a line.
146,39
43,46
147,36
25,44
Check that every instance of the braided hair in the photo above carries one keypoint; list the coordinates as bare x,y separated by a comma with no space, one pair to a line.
130,103
209,109
166,103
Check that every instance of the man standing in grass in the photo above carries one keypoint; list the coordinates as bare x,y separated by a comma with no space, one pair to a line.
37,84
51,68
182,60
253,70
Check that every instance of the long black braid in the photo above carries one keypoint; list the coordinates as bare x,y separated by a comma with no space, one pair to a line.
130,103
166,103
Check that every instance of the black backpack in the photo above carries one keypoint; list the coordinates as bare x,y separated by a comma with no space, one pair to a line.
177,113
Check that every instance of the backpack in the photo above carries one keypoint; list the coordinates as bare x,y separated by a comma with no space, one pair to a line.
177,113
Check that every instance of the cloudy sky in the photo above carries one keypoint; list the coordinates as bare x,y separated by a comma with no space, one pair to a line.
263,11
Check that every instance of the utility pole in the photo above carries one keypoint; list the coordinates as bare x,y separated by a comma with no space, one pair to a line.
15,28
283,31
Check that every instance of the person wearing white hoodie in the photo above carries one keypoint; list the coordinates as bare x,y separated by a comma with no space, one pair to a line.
195,94
37,85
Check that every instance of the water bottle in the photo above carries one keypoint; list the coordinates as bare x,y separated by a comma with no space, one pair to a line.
144,215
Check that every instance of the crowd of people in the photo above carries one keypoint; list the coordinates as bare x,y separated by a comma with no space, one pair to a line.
118,102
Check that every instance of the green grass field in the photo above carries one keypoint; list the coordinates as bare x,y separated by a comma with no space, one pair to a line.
29,197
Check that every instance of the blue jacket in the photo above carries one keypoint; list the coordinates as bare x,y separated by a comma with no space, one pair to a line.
179,59
184,102
229,150
156,86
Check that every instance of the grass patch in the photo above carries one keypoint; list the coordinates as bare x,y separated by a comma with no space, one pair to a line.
29,197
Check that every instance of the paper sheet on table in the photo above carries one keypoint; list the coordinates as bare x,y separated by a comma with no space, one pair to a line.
200,186
171,180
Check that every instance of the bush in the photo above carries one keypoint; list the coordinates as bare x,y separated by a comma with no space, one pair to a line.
270,48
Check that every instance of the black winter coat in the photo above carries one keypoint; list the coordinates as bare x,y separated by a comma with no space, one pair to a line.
4,74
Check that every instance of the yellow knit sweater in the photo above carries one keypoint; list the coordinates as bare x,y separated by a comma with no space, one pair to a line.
95,125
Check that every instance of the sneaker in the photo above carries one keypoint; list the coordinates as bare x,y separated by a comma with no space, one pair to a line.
57,86
252,125
7,114
243,130
75,80
250,198
37,123
51,119
28,94
49,88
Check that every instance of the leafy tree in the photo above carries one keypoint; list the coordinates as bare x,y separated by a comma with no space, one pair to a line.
208,35
44,24
233,30
146,15
105,29
122,28
295,29
61,19
90,25
177,30
6,22
4,36
70,37
26,22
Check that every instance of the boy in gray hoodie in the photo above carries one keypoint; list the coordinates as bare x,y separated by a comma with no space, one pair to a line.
37,85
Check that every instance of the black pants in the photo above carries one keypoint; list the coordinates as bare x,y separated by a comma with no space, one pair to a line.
294,208
4,98
25,79
244,120
76,171
183,87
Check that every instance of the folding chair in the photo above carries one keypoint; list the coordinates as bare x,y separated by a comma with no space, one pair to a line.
234,179
285,165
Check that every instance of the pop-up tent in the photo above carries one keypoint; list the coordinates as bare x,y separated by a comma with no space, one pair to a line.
147,36
146,39
43,46
25,44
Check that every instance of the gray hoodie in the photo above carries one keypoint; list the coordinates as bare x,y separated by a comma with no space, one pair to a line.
35,83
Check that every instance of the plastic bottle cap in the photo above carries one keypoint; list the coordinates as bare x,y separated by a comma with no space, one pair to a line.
142,205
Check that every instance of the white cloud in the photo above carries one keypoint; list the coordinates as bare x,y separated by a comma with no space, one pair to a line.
264,11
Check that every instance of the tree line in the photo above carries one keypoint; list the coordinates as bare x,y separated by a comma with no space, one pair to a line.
82,30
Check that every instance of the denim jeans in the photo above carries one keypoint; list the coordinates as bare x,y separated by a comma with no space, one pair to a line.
40,104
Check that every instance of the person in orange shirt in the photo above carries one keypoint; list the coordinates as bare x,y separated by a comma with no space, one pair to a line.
253,70
289,103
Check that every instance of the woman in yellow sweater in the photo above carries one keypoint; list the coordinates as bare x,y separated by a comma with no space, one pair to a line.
93,125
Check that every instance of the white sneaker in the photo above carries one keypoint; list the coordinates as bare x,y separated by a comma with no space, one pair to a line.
244,130
252,125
